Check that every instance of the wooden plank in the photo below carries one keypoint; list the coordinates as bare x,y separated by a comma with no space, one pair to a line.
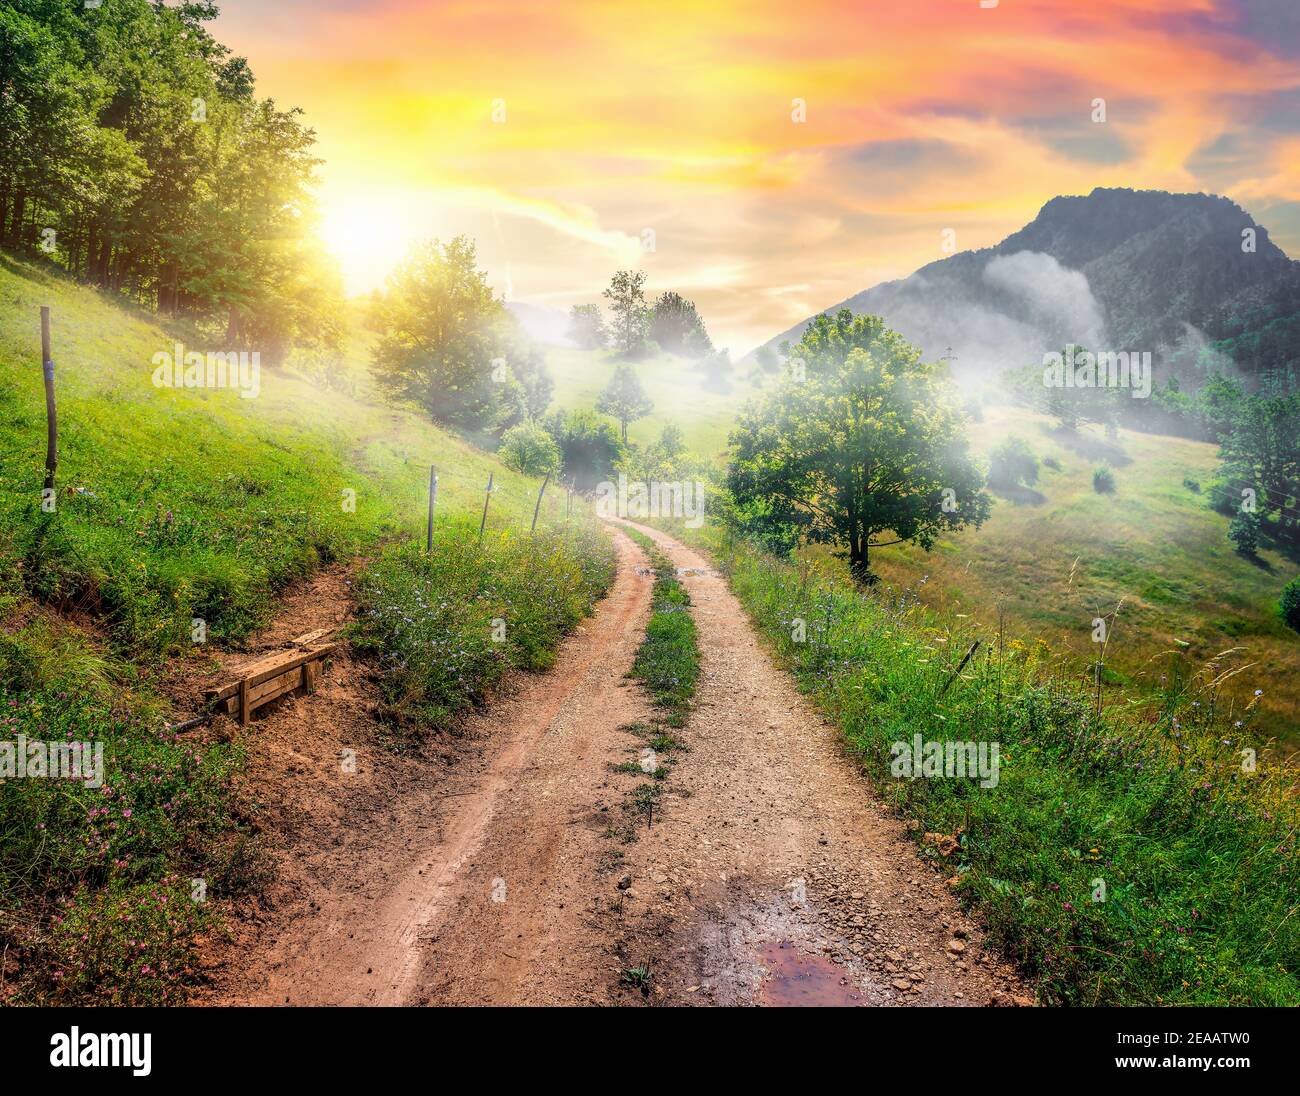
245,709
267,668
308,638
311,675
264,693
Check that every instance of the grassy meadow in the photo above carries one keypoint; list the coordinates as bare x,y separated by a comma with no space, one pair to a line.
1060,554
675,384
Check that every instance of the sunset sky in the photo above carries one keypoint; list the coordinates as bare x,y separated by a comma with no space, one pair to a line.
678,118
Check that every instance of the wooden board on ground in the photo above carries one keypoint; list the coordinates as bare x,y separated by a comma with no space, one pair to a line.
270,678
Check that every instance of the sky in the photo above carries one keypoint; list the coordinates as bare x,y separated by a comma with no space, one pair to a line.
766,160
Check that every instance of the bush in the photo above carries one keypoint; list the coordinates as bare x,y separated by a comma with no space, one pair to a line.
1289,603
529,449
446,625
1013,464
1244,533
1192,485
1103,480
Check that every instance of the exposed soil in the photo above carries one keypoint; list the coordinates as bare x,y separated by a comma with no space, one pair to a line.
495,866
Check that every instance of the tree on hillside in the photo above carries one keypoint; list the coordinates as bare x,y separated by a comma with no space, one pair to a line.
135,154
672,442
589,447
677,327
1261,455
625,399
529,449
869,449
587,327
534,377
626,296
444,338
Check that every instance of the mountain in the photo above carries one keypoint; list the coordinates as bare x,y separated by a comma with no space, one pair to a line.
1117,269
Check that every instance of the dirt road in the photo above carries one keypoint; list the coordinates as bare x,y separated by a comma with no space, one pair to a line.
492,868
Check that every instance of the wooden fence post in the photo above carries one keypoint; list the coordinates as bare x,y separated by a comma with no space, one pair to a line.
486,499
51,412
538,507
433,500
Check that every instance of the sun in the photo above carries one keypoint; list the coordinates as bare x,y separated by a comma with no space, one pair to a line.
368,237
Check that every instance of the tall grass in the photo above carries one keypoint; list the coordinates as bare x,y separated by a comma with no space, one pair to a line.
1126,855
446,624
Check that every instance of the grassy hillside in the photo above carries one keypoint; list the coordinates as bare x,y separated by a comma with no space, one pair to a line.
675,384
182,504
179,503
1059,555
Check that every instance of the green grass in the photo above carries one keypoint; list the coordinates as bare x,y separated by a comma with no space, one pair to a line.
668,660
177,504
1198,857
1053,565
446,625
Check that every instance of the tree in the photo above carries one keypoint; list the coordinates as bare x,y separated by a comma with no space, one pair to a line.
535,379
529,449
626,298
671,441
1013,464
624,399
444,337
1262,453
587,327
677,327
1289,603
869,445
589,447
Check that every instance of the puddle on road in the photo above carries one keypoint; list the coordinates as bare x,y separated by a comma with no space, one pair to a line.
797,980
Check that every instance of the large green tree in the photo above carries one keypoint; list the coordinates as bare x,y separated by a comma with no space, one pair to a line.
587,327
626,296
865,446
677,327
444,339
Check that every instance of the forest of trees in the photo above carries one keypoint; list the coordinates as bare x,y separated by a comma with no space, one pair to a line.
136,155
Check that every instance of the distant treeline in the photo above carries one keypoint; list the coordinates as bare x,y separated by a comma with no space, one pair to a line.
135,154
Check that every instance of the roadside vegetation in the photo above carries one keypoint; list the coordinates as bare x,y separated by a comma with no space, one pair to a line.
178,506
445,625
1127,856
668,664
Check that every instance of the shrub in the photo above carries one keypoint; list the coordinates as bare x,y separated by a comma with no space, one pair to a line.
1192,485
446,625
1289,603
1244,533
529,449
1103,480
1013,464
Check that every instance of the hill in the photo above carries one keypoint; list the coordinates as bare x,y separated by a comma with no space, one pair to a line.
1115,269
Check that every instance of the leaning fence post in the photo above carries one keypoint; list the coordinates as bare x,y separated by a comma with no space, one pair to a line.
433,500
51,412
486,499
538,507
